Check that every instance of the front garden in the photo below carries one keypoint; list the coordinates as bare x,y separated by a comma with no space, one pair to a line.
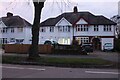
60,62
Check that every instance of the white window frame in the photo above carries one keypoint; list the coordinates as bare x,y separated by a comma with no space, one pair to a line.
20,29
96,28
81,28
51,29
4,30
12,30
107,28
42,29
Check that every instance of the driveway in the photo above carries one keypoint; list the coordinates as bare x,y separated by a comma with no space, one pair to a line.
111,56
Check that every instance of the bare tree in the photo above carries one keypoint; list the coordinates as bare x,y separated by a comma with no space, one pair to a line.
33,50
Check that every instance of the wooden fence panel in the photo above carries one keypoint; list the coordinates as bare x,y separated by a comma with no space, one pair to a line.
10,48
23,48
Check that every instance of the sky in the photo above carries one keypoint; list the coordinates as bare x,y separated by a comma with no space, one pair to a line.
53,8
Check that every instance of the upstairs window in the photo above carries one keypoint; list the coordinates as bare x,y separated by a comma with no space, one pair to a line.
4,30
20,29
42,29
81,28
107,28
51,29
96,28
64,28
12,30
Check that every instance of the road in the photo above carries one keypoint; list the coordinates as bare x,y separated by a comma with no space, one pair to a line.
30,71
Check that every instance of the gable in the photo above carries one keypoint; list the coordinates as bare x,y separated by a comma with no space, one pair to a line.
63,21
82,21
2,24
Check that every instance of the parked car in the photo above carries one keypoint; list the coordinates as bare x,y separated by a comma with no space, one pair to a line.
50,42
88,47
108,47
11,43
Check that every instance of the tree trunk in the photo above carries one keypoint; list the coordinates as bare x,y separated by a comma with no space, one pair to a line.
33,50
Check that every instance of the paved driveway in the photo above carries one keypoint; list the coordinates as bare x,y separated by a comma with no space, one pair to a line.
111,56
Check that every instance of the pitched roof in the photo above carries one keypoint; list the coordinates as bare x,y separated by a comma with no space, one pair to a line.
74,17
15,21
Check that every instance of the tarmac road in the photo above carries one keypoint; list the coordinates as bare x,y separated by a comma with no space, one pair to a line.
30,71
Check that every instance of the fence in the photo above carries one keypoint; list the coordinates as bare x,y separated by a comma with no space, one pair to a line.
47,49
23,48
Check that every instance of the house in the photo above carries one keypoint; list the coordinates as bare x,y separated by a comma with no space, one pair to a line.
116,19
14,29
84,26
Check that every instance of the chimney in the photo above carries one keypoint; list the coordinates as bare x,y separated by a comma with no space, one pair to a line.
75,9
9,14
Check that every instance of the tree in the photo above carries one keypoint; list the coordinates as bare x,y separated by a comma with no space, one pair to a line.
33,50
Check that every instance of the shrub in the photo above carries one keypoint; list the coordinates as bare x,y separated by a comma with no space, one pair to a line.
117,45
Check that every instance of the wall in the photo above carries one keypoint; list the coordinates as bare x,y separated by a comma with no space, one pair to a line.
56,35
26,35
91,32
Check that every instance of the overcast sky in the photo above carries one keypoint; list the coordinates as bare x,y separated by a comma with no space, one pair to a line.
53,8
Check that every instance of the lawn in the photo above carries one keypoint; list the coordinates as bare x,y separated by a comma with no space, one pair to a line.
67,62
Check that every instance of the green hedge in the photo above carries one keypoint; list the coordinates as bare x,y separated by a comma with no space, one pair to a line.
117,45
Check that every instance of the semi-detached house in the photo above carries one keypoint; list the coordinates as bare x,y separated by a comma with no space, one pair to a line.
84,26
14,29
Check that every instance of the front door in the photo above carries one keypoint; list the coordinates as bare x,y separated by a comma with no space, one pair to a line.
96,44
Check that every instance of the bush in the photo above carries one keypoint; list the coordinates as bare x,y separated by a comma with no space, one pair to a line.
69,49
117,45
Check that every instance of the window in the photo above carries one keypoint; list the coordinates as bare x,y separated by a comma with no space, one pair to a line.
51,29
12,30
83,39
4,30
96,28
107,28
82,28
42,29
68,28
59,29
3,40
64,28
64,40
20,29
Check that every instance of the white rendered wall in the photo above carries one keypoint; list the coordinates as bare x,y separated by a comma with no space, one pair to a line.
91,32
119,8
56,35
26,35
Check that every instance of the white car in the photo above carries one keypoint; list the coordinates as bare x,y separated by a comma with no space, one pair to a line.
11,43
108,47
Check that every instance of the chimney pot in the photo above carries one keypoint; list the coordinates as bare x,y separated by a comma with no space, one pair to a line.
75,9
9,14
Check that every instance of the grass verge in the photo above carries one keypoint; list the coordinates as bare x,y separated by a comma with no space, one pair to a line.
61,62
